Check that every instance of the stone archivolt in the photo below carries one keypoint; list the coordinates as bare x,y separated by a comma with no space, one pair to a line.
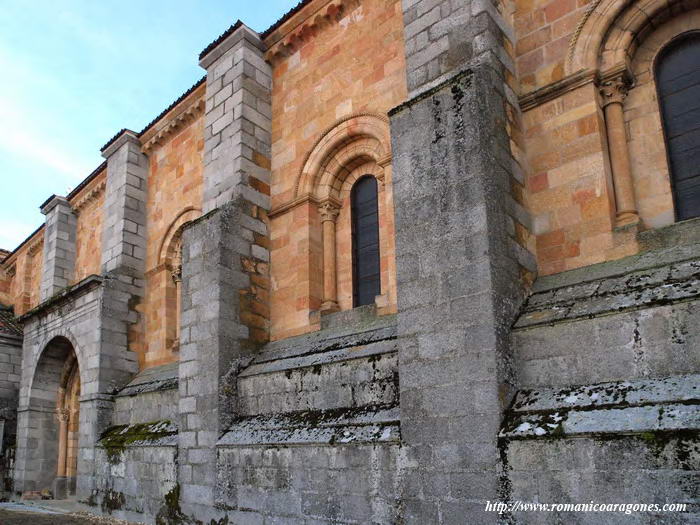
356,139
174,233
611,31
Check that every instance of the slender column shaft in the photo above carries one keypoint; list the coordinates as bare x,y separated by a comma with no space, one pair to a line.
62,442
329,215
614,93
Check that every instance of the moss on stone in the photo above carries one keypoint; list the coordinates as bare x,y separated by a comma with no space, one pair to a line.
115,439
112,500
170,512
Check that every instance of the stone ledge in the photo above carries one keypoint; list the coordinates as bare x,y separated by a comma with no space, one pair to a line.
153,434
677,243
629,420
155,379
329,427
634,290
322,358
627,407
377,329
628,393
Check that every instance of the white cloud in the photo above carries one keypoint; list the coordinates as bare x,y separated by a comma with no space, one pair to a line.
23,126
19,135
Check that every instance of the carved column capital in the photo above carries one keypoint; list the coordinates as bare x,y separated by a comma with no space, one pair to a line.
63,414
329,211
614,90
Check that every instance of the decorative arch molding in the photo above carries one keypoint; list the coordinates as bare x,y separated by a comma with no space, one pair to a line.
355,139
358,141
611,31
45,343
166,251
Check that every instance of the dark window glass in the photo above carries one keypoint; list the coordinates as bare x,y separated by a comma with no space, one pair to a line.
678,84
365,241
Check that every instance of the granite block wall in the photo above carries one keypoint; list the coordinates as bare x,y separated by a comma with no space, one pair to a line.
347,383
59,246
10,369
358,483
136,483
619,321
317,437
459,292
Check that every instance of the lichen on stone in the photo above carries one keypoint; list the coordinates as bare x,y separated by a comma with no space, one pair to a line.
115,439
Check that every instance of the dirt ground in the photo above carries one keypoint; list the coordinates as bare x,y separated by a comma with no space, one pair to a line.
11,517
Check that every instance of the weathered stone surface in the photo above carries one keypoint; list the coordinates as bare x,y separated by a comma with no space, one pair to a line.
451,179
644,288
649,468
385,419
340,426
669,404
152,379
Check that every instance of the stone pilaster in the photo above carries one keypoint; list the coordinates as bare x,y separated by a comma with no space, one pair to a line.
238,121
123,257
95,417
459,291
445,36
124,230
59,246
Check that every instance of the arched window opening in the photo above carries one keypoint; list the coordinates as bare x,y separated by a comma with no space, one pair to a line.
365,241
678,84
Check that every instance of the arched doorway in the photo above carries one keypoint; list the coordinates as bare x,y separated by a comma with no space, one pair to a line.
54,405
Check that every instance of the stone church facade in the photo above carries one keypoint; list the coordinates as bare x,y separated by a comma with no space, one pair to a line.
387,261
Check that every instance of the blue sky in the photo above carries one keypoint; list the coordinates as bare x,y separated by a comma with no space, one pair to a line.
74,72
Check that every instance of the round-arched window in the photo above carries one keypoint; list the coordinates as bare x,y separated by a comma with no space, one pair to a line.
678,85
365,241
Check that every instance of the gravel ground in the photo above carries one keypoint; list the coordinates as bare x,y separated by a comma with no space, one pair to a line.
12,517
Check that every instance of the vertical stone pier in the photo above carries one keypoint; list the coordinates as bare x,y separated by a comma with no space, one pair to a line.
225,277
458,267
59,246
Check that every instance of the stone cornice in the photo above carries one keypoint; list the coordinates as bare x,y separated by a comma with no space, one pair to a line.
36,246
286,41
284,208
118,141
555,90
90,196
168,127
15,340
52,203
